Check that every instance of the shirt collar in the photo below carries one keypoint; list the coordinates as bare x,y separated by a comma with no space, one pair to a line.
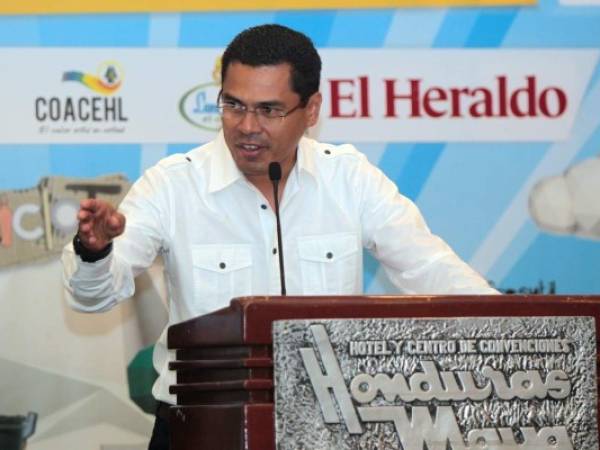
306,156
224,171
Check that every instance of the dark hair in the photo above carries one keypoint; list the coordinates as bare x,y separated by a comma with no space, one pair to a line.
268,45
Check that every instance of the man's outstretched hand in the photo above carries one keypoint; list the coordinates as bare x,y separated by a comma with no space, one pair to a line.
99,223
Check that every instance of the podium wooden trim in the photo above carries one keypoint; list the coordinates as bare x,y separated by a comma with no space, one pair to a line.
224,361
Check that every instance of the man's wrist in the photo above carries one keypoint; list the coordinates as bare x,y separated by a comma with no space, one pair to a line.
87,255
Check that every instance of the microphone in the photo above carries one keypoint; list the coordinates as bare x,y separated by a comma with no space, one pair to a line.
275,177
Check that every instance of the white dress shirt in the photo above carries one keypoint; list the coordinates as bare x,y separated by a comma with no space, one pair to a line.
217,235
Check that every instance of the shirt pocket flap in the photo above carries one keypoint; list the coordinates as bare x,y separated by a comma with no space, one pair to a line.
221,258
327,248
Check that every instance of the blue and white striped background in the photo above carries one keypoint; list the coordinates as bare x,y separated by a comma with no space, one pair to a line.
472,194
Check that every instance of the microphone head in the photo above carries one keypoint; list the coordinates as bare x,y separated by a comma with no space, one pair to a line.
274,171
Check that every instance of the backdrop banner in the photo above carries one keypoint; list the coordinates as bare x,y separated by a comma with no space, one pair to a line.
121,95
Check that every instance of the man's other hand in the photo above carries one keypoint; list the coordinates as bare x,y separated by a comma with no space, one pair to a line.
99,223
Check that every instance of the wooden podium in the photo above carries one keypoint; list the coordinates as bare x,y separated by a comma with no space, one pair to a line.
224,360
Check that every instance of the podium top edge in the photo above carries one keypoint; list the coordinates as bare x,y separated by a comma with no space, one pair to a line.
247,320
414,299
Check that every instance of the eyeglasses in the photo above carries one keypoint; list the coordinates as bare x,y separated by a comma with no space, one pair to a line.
265,114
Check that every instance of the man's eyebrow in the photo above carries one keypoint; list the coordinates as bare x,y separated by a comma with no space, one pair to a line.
271,104
266,103
226,96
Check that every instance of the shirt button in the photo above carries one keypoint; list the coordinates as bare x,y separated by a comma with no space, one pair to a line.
329,255
328,152
263,206
222,265
274,251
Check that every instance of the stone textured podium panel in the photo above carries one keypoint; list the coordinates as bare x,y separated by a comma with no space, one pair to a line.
462,383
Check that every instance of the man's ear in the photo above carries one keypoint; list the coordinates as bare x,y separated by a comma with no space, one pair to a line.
313,107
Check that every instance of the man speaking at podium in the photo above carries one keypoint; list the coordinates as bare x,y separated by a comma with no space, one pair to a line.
211,213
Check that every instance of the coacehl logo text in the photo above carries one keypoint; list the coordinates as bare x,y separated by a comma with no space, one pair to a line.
105,107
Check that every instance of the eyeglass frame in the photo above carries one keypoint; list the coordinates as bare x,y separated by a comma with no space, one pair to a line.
244,109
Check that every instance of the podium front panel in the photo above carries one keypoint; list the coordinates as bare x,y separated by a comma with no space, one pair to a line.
461,383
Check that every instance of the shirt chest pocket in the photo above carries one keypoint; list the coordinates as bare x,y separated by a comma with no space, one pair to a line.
221,272
330,264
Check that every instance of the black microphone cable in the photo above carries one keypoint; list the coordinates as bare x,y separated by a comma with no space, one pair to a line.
275,177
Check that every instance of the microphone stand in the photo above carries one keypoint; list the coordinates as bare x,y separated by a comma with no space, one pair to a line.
275,176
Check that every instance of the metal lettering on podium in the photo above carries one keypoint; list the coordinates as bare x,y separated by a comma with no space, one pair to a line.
502,383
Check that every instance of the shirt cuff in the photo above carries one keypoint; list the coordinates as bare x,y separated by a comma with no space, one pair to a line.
87,255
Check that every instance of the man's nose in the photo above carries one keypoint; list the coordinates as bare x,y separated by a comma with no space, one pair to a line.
250,123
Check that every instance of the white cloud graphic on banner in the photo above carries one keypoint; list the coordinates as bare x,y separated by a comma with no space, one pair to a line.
568,203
